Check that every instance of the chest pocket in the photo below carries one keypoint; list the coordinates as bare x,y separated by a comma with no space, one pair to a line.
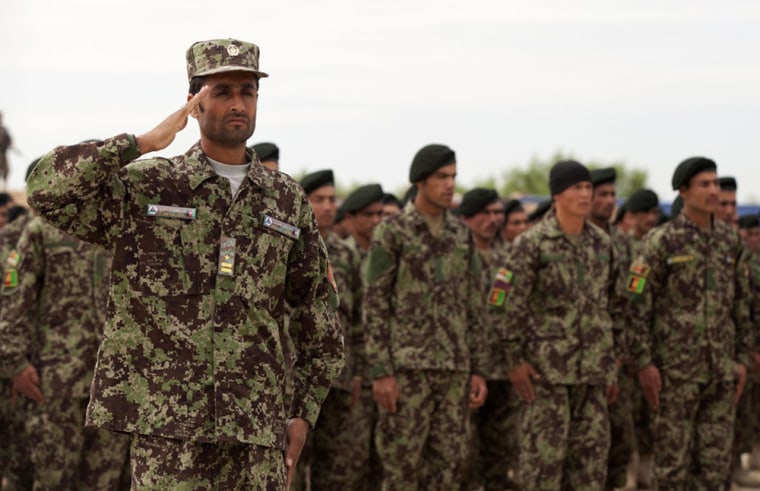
173,257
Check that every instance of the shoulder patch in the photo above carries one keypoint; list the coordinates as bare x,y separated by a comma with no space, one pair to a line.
11,278
639,269
13,259
636,284
501,285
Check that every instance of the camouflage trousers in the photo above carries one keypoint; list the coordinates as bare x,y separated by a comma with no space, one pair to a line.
495,441
423,446
66,455
642,421
693,433
164,463
15,463
744,424
622,438
340,455
564,438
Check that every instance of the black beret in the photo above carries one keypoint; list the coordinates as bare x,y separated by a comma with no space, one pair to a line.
642,200
540,210
410,194
316,180
340,214
362,197
727,183
429,159
749,221
16,211
389,198
512,206
603,176
676,207
267,151
690,168
566,173
475,200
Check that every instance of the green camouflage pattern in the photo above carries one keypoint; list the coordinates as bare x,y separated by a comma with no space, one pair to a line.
422,302
495,368
193,343
557,309
54,317
564,438
690,301
160,464
65,454
221,55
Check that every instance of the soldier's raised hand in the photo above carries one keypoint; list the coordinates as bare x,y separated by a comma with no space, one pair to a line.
163,135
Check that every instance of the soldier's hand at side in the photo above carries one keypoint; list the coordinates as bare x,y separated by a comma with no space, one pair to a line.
478,391
356,390
296,439
612,393
162,135
755,362
27,383
651,384
385,392
741,379
521,378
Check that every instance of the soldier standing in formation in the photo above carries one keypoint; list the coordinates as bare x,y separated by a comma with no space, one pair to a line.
208,248
689,284
560,347
423,305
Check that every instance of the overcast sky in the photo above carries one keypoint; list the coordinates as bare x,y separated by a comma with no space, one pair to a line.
359,87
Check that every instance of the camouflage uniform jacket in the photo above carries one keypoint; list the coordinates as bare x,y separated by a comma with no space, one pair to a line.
556,299
690,294
346,267
423,302
193,342
53,318
621,243
496,366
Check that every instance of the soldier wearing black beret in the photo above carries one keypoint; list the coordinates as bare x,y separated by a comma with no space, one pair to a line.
727,209
539,211
269,155
515,221
320,189
364,208
644,210
391,205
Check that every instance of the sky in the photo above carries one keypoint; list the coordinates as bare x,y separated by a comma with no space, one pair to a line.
359,87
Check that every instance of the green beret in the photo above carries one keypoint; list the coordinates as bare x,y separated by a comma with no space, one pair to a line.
410,194
642,200
676,207
389,198
316,180
727,183
429,159
267,151
362,197
621,211
340,214
475,200
512,206
690,168
540,210
603,176
749,221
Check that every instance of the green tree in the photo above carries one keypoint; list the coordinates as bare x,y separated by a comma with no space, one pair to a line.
534,178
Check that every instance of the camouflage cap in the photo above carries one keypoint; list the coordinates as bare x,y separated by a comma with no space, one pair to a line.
222,55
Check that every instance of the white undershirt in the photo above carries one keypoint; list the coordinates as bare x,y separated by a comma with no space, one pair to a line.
233,173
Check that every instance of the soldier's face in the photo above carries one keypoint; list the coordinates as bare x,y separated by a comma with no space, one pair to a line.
227,114
575,200
702,194
644,221
365,220
3,216
515,224
486,223
390,209
752,238
323,202
727,207
438,188
603,202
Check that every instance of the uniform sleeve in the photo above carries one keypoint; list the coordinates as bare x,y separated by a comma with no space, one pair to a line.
619,303
517,281
747,287
379,282
645,278
76,188
311,292
476,334
18,321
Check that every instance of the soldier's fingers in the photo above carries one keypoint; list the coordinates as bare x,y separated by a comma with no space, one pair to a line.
195,101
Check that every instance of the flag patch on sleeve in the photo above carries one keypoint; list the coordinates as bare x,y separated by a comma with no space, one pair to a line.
501,285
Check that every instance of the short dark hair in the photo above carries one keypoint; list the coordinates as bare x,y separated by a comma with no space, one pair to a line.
195,84
5,198
16,211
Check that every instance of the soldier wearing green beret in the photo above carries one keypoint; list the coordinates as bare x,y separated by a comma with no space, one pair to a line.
269,155
555,298
391,205
422,307
539,212
515,221
691,344
643,208
209,247
727,209
495,424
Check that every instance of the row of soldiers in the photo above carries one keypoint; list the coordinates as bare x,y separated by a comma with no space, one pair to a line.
478,354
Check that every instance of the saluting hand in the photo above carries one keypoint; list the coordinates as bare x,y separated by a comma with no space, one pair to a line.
521,378
27,383
163,135
651,384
